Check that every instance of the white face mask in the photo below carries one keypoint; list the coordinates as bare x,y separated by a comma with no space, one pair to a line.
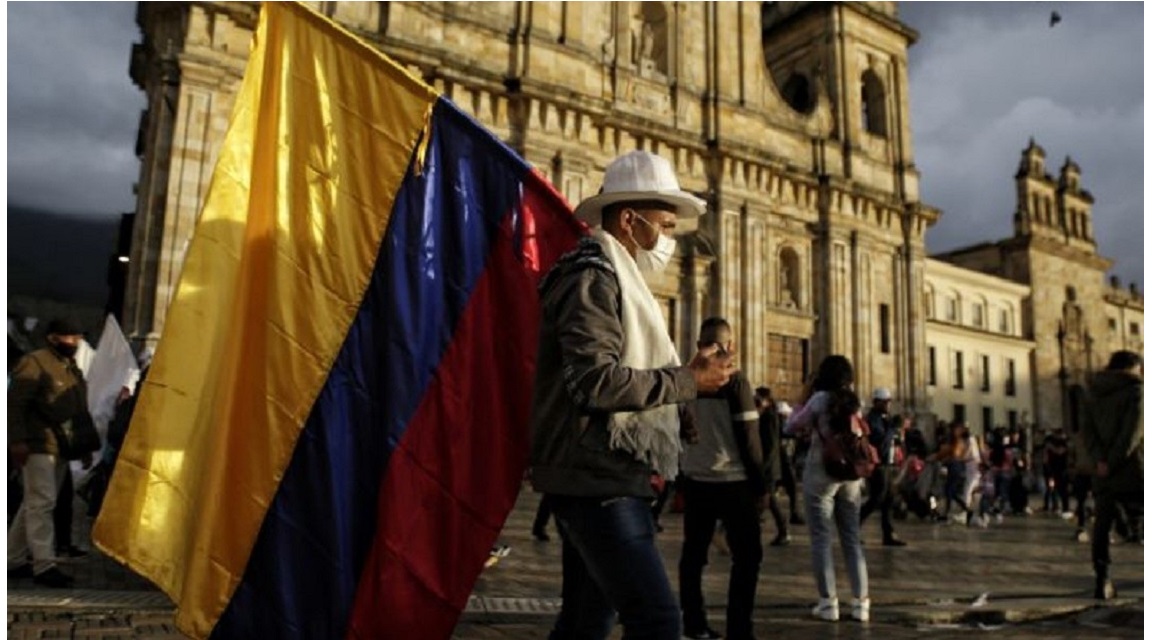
658,257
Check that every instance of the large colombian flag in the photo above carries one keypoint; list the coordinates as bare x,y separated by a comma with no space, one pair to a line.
334,427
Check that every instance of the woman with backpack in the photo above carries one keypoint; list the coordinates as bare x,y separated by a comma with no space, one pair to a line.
831,412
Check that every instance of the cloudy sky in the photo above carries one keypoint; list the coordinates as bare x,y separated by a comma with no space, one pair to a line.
984,78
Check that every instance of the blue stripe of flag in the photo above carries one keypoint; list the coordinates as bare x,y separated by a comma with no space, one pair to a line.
302,574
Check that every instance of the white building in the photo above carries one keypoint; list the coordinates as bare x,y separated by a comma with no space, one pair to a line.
979,363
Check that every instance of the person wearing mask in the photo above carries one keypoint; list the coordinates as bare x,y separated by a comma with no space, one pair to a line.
831,408
604,409
47,390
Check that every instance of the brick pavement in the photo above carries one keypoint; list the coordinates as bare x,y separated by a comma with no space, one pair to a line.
1029,567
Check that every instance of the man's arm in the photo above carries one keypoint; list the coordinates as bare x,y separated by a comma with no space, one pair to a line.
21,392
1130,435
587,316
746,428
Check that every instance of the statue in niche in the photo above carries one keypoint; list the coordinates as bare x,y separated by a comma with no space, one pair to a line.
787,295
644,45
647,42
635,32
607,49
1073,321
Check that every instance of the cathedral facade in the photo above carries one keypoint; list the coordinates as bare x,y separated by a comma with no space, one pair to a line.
790,118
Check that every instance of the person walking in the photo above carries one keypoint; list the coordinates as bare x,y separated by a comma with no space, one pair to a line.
887,436
1114,435
775,461
604,409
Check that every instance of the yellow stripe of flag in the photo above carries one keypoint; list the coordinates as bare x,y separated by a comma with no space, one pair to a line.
321,137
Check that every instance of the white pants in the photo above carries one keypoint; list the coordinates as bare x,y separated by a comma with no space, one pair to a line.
32,529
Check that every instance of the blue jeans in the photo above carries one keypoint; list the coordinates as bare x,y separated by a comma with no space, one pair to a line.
611,565
828,499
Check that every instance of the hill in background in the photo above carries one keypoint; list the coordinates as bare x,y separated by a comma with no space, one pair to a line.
58,257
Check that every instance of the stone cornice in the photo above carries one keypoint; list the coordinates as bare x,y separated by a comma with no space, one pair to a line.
1125,300
1035,244
980,334
862,8
942,269
244,14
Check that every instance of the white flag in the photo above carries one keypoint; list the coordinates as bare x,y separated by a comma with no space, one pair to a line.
113,368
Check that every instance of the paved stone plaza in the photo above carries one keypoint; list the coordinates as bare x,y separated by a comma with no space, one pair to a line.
1035,580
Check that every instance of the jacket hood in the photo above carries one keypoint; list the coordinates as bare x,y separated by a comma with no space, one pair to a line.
1108,382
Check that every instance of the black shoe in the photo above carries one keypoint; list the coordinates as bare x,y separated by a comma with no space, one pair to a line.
781,540
23,572
707,633
71,552
659,528
53,579
540,535
894,542
796,520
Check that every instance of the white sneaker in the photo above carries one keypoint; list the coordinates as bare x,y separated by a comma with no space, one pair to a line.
1067,515
861,609
999,518
827,609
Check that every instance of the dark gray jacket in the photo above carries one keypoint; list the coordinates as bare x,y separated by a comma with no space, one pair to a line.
580,381
1114,427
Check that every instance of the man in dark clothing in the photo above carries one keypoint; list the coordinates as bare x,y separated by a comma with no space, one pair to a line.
886,436
540,522
1113,424
1056,460
604,414
47,389
723,482
775,460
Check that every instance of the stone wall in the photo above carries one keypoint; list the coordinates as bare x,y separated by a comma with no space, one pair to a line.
814,219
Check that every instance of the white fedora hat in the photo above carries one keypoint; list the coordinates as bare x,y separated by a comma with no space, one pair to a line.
640,175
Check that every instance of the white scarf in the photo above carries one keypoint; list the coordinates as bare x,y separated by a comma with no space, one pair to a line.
653,436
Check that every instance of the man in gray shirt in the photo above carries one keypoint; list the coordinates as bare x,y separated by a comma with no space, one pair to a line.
723,481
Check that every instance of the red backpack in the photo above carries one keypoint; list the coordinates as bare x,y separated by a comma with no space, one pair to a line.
847,453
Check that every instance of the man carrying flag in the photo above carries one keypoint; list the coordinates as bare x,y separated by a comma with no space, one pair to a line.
604,414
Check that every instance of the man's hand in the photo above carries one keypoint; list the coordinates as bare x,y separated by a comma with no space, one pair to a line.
710,369
1102,469
19,452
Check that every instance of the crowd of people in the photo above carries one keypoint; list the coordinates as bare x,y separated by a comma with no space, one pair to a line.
618,421
620,424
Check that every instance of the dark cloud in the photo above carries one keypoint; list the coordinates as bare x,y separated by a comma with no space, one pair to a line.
985,78
72,109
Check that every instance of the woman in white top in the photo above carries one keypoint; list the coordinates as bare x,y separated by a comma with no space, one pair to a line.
829,409
973,455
